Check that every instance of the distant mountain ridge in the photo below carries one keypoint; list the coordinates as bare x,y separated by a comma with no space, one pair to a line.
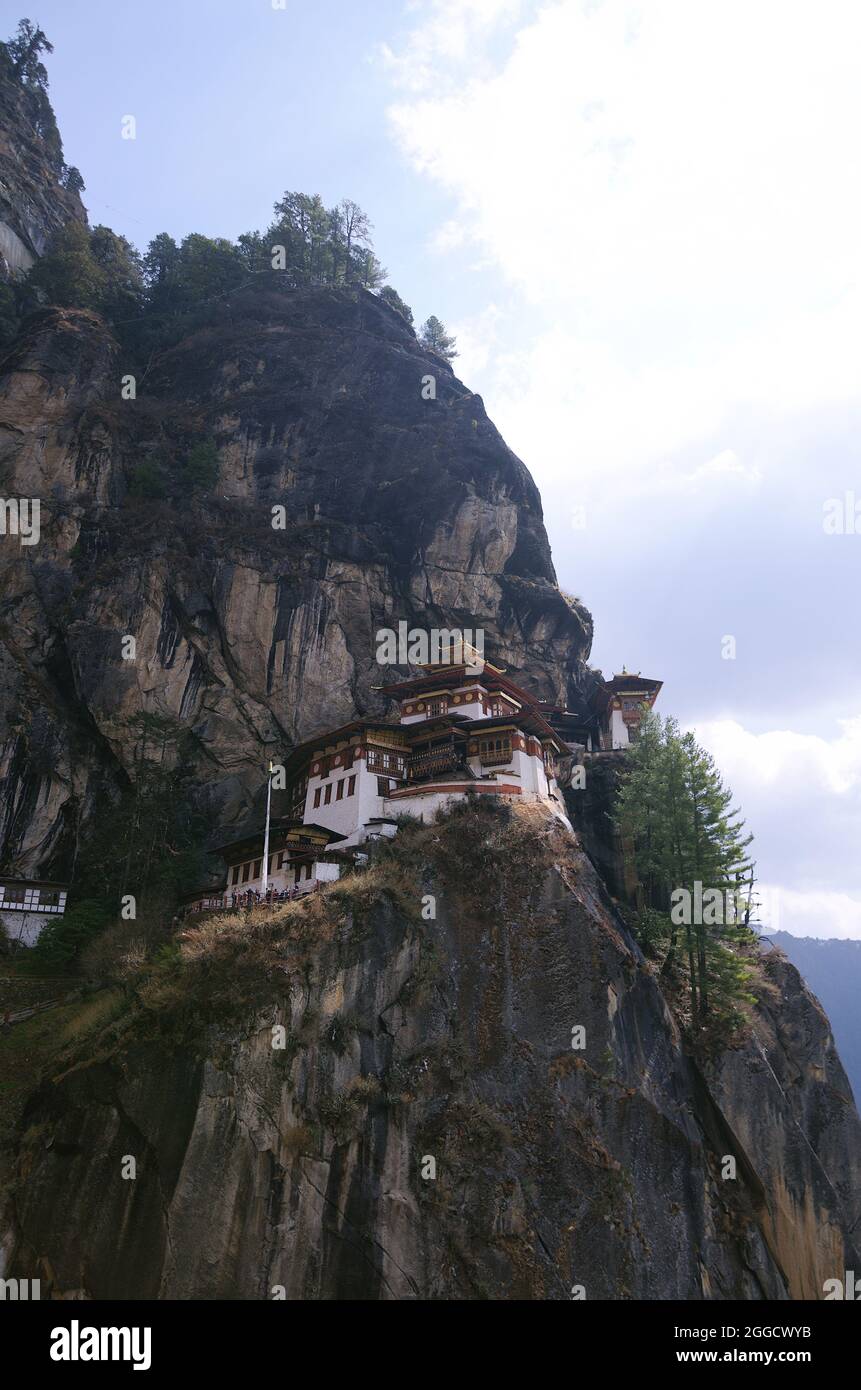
832,968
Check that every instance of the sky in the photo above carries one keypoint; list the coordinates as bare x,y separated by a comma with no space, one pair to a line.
643,224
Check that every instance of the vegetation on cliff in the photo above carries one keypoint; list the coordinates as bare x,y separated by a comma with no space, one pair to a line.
151,298
20,60
136,853
688,847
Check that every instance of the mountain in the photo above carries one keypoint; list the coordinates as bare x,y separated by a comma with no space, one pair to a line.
428,1129
832,969
398,509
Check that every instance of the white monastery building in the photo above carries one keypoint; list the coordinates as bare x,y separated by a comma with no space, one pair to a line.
628,695
461,730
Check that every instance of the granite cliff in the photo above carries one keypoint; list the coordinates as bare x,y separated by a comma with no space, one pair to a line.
34,201
397,509
305,1168
299,1166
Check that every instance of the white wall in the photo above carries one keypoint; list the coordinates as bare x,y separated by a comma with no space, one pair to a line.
25,923
618,730
280,879
423,807
349,815
25,926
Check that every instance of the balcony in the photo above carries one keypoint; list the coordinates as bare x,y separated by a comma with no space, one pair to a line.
499,758
386,764
432,763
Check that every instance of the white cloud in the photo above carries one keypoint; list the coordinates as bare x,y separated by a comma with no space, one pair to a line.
665,191
795,762
822,914
448,34
448,237
801,795
722,467
477,339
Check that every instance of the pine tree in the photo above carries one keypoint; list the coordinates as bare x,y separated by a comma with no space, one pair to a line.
24,52
432,335
689,848
391,297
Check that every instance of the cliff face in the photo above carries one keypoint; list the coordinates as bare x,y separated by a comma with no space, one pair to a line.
397,509
33,203
427,1129
409,1040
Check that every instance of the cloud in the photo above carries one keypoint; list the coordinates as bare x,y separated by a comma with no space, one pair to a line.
801,797
661,201
663,189
811,914
723,466
449,236
780,758
448,35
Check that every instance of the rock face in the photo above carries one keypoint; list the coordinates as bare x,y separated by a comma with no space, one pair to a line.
33,203
396,508
428,1130
451,1040
832,968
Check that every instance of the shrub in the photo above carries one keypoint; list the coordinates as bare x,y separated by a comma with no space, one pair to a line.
116,955
148,481
201,466
63,938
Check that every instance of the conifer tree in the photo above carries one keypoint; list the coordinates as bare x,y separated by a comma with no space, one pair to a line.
392,298
685,837
432,335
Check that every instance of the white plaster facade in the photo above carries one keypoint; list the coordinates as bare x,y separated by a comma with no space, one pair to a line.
345,782
282,877
618,730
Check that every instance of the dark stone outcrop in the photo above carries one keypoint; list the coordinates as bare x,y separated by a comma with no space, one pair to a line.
397,509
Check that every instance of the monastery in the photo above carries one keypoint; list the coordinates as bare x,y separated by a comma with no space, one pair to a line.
462,730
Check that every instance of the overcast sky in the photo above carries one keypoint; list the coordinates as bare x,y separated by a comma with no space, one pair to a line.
643,223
